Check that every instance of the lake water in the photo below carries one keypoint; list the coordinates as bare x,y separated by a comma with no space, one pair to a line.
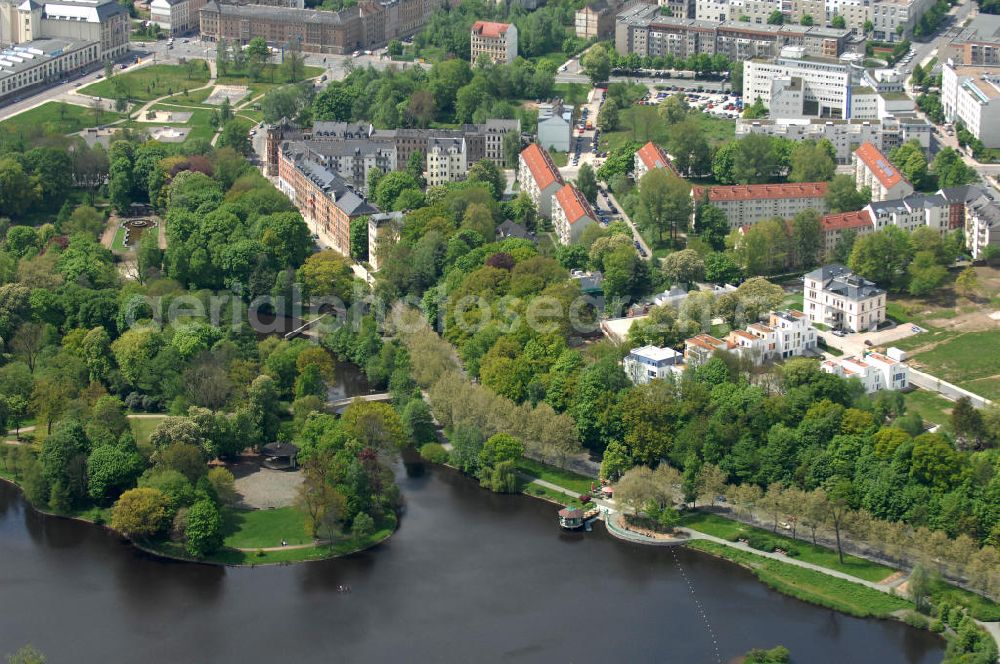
469,577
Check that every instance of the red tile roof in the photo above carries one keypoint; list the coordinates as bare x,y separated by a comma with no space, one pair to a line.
653,156
846,220
879,165
574,204
489,28
543,171
750,192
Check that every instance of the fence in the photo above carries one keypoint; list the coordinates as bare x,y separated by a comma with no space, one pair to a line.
944,388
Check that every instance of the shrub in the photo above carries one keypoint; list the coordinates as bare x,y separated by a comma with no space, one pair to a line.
915,620
937,626
363,526
434,453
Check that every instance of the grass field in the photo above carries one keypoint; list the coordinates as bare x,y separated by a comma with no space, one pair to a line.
271,77
264,528
557,476
142,427
967,359
573,93
560,159
150,82
810,586
555,496
931,406
980,607
728,529
643,123
55,118
200,121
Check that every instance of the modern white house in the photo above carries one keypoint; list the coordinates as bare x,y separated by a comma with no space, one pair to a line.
971,95
873,169
786,334
651,363
539,178
795,86
874,370
835,296
571,214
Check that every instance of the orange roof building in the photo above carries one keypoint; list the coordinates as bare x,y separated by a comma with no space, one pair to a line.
539,178
747,204
571,214
498,41
833,227
873,169
651,156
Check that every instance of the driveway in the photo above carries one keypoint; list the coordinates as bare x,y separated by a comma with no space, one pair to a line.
854,344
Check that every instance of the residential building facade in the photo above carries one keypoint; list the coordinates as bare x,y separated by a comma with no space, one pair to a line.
875,371
44,61
650,157
555,126
747,204
793,88
497,41
383,232
893,20
446,161
571,214
835,296
972,95
873,169
786,334
835,226
648,363
642,29
978,43
982,228
595,21
538,177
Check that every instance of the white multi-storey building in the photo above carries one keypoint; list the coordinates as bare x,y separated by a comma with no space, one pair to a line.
972,95
874,370
786,334
539,178
498,41
835,296
446,160
982,227
795,88
652,363
912,212
383,232
747,204
873,169
893,20
844,135
571,214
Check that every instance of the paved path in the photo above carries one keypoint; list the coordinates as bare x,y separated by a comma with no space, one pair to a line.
383,396
290,547
636,235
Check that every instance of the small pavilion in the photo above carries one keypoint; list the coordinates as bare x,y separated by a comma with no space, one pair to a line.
280,456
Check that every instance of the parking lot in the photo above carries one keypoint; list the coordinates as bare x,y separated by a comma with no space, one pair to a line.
721,104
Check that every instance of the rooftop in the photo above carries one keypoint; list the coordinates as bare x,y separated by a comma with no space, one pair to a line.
655,353
846,220
879,165
653,156
490,29
749,192
30,54
838,279
540,165
574,205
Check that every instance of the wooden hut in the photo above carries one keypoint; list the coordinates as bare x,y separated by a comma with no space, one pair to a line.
280,456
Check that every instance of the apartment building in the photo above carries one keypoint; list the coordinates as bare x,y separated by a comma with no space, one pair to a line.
369,24
747,204
978,43
834,226
446,160
893,20
44,61
648,363
844,135
711,10
982,228
874,370
835,296
644,30
854,12
352,160
752,11
971,95
796,87
383,232
649,157
326,201
912,212
700,349
786,334
873,169
571,214
497,41
538,176
72,22
595,21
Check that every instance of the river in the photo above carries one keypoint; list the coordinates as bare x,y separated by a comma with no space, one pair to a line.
469,576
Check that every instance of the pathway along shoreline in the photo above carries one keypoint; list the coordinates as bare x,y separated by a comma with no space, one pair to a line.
145,548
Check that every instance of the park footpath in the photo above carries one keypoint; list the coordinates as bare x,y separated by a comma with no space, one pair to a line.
609,512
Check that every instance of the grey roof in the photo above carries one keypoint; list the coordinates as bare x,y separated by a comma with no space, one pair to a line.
840,280
512,229
984,27
926,201
28,55
341,193
963,194
647,15
289,14
280,449
324,129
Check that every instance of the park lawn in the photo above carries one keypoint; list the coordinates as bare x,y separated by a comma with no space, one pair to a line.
193,98
250,529
554,496
142,428
810,586
560,159
150,82
200,121
728,529
271,77
572,93
643,123
792,301
968,359
930,406
980,607
558,476
56,118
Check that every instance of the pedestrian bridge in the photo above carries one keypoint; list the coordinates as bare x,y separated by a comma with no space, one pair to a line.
339,405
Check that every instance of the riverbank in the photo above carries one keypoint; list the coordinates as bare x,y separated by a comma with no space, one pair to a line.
228,556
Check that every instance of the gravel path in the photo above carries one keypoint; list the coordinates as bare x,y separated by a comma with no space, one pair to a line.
263,488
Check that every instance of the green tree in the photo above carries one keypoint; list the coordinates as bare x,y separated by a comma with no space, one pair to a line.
234,135
390,186
967,283
141,513
684,267
608,117
911,161
204,529
359,239
806,20
812,161
925,273
838,22
488,173
776,18
111,468
843,196
756,110
807,238
586,182
664,203
720,268
596,64
882,256
951,170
